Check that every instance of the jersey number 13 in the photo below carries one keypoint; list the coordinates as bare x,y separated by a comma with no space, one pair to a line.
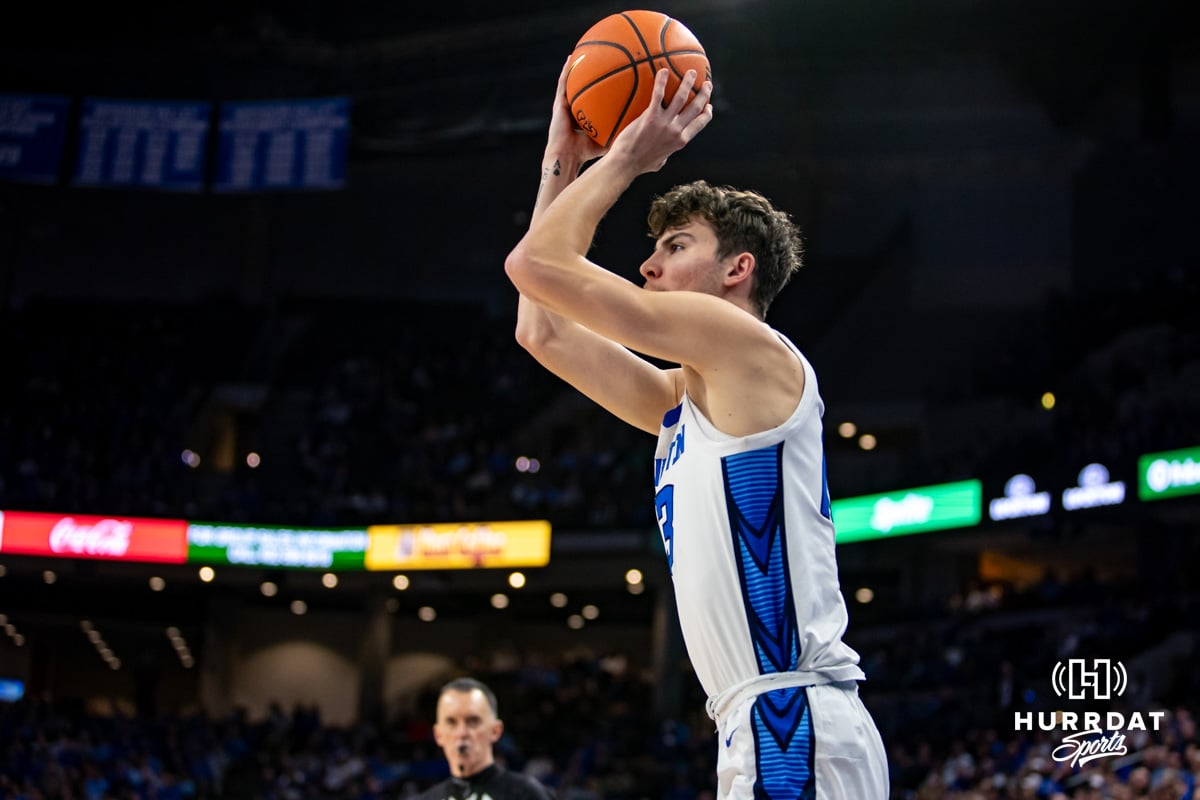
664,507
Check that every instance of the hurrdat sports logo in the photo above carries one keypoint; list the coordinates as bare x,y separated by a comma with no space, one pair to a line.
1089,735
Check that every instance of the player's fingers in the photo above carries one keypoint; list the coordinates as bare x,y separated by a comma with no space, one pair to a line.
660,89
683,92
562,80
698,124
703,97
697,105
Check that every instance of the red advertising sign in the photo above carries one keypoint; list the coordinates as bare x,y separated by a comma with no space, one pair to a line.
26,533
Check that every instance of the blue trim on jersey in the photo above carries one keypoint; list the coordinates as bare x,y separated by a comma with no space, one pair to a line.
826,506
784,745
754,502
664,509
672,416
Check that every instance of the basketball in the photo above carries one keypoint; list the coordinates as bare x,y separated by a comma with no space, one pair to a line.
613,66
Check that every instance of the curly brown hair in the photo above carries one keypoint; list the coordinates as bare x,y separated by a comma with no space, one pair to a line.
744,221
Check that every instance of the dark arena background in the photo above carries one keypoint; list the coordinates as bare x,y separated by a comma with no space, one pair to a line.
251,286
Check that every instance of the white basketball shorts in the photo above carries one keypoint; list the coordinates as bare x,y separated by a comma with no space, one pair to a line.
801,743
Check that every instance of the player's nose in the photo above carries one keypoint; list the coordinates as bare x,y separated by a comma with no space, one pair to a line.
650,269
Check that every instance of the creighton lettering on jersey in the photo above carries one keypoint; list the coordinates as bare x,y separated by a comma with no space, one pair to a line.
746,525
674,451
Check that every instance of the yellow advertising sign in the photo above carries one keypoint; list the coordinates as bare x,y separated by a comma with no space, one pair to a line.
467,545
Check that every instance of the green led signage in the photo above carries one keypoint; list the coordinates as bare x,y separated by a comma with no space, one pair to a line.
926,508
1169,474
272,546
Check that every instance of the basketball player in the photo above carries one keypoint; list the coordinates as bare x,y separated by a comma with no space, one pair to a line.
467,727
739,473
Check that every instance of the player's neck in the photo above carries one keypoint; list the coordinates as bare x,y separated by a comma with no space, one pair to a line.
744,303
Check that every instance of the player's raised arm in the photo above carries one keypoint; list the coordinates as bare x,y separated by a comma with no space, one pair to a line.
624,384
550,265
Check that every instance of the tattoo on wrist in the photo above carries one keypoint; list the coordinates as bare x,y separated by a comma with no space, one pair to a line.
551,169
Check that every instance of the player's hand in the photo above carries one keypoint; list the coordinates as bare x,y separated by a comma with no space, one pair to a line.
664,128
566,139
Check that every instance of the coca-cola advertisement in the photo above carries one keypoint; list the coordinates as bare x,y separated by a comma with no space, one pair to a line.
161,541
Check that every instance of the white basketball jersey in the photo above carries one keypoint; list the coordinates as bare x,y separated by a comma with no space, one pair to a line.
750,542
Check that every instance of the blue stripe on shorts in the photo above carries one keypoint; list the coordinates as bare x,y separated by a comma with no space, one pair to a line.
783,745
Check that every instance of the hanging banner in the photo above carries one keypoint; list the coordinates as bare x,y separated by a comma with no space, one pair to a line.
283,144
140,143
33,129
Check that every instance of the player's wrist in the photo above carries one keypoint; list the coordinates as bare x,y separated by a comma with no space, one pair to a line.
566,162
623,164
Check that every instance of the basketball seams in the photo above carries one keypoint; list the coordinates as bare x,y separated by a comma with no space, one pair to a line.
633,64
610,73
637,77
628,98
638,32
662,45
632,60
612,46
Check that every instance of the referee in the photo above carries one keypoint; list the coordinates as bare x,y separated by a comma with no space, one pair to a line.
467,726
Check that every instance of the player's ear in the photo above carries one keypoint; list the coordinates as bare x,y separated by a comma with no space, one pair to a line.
740,268
497,731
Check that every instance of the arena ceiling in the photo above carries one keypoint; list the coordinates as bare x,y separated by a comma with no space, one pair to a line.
479,68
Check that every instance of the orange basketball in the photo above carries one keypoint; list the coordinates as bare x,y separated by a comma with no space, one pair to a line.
612,69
